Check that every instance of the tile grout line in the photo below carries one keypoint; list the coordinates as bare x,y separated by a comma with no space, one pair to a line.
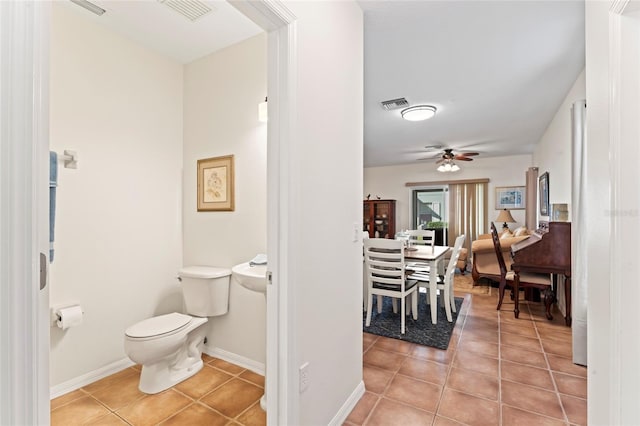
553,379
379,396
453,357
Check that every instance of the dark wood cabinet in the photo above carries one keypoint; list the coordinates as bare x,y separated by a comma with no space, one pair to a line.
379,216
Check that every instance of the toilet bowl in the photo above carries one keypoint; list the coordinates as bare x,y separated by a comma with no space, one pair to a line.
169,347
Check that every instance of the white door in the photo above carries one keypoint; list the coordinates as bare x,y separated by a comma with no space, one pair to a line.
24,293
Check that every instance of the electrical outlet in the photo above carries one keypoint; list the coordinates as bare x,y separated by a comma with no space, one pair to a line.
304,377
356,232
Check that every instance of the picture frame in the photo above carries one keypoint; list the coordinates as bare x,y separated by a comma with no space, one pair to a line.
510,197
216,184
543,191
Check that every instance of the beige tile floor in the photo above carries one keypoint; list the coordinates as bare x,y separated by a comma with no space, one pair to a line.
220,394
498,370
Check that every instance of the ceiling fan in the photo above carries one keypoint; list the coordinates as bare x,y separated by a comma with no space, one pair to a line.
449,155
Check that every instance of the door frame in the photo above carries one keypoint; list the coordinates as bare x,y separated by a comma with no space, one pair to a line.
24,200
24,369
280,24
624,106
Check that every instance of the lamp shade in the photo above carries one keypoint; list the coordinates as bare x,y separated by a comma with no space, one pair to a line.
505,216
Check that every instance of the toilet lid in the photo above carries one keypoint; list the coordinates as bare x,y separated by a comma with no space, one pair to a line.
156,326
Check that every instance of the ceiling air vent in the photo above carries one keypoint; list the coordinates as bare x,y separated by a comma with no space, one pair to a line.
190,9
394,104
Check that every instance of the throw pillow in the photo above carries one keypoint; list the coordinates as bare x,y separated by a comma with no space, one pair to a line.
506,234
521,231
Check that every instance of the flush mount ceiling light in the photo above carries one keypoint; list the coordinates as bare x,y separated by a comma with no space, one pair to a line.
418,112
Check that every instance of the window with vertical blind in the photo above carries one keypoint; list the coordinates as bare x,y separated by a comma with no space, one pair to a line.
467,211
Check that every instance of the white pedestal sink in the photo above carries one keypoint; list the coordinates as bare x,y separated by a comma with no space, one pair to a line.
253,278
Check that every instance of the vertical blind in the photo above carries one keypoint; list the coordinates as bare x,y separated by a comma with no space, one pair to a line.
468,211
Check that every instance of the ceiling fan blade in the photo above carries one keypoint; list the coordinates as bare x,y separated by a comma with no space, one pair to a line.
440,161
469,154
462,158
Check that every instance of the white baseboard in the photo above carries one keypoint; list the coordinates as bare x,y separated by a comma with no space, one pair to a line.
107,370
348,405
90,377
249,364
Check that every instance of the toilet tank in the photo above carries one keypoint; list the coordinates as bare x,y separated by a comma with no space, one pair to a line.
205,290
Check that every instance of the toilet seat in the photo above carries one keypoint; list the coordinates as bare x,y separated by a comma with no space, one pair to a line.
162,325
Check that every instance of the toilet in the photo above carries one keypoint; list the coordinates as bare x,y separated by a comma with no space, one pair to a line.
169,347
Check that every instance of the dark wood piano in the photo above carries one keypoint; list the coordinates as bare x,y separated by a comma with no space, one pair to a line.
547,250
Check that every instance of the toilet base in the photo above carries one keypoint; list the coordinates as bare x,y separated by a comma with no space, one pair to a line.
158,377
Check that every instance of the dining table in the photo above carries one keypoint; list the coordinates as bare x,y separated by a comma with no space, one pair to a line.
432,255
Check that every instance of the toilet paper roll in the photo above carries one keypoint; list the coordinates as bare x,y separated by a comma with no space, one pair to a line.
69,316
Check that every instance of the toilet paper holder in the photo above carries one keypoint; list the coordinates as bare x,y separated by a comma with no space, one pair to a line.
55,312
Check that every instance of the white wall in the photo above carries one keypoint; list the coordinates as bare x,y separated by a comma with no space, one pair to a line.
118,232
221,96
553,151
389,182
324,262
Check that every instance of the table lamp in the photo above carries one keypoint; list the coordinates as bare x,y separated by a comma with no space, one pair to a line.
505,216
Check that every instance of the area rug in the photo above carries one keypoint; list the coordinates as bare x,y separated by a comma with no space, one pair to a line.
419,331
464,284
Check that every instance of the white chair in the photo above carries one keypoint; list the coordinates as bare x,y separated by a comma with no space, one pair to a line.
444,285
422,236
386,276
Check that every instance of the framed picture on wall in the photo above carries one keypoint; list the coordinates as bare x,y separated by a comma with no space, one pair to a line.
510,197
543,191
215,184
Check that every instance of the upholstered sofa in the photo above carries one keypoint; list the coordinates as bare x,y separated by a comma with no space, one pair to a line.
485,262
462,260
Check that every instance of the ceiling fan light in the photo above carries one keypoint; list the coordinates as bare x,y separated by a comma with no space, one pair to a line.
418,112
455,168
441,168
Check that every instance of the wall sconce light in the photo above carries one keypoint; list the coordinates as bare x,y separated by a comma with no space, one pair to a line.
262,111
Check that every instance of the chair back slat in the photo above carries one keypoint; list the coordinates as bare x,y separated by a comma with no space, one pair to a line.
422,236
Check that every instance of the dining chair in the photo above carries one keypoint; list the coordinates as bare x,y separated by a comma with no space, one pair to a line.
386,276
444,284
422,236
526,279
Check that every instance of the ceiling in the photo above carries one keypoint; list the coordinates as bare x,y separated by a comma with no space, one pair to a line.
154,24
497,71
